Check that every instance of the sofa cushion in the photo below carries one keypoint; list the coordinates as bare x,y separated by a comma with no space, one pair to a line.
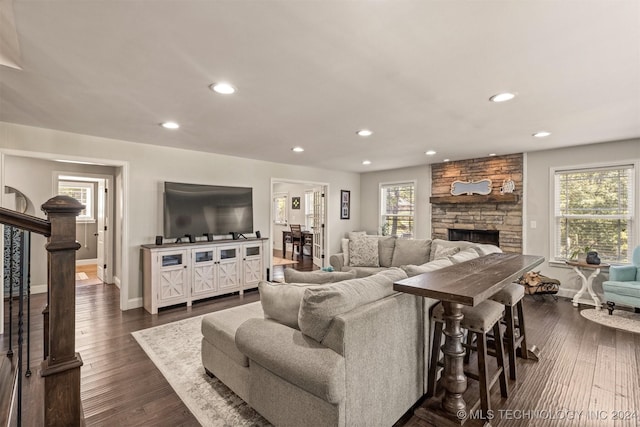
411,251
219,328
281,301
465,255
318,277
627,289
414,270
321,305
363,251
386,246
364,271
444,248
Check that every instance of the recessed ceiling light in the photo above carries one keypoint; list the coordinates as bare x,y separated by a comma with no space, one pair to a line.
364,132
170,125
366,162
430,153
542,134
502,97
492,154
297,149
446,160
223,88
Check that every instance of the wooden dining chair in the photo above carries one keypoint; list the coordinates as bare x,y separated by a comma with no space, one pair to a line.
296,239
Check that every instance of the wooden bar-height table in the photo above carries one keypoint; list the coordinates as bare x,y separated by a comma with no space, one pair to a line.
468,283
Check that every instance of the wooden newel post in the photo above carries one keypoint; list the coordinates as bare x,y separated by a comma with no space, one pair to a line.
61,367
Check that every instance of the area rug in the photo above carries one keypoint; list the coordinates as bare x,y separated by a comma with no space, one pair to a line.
283,261
81,276
623,320
175,349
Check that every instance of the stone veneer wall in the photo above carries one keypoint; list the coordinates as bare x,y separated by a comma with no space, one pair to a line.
483,215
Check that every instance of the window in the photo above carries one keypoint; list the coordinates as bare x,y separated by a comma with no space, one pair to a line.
280,209
593,209
82,192
397,209
308,209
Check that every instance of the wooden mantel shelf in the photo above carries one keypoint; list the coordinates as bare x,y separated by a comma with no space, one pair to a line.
476,198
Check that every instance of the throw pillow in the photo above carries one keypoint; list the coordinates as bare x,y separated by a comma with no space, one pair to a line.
363,251
317,277
462,256
355,234
439,247
281,302
486,249
411,252
320,305
414,270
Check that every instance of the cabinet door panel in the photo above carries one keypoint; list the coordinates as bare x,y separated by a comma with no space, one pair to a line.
173,286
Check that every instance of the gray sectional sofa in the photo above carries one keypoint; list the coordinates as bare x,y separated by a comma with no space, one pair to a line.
352,352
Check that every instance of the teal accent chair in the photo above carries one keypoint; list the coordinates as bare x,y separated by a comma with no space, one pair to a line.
623,286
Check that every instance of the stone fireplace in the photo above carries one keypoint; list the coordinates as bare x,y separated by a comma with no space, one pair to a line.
494,218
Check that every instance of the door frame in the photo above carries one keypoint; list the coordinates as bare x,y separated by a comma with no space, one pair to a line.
121,219
311,185
110,214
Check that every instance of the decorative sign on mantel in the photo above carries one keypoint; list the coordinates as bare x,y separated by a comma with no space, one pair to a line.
471,187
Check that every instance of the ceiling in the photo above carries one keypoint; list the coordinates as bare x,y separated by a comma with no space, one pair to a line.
311,73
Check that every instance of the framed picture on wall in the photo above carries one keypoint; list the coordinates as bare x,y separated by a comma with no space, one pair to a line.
345,204
295,203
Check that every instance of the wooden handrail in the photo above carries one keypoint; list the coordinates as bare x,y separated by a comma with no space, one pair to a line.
26,222
61,365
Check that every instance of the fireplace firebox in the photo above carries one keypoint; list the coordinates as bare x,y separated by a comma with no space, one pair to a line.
476,236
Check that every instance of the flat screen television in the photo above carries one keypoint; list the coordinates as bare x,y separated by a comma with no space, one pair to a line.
206,209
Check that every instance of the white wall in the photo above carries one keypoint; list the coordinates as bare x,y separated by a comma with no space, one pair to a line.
149,166
370,195
538,199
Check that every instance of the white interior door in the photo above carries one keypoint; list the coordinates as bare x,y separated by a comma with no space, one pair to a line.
319,211
102,219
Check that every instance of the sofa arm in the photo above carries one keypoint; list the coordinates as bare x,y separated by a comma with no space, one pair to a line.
622,273
296,358
337,261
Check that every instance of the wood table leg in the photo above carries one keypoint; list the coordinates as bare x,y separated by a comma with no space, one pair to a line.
452,410
454,380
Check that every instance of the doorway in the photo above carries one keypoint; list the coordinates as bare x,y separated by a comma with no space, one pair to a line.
298,203
94,228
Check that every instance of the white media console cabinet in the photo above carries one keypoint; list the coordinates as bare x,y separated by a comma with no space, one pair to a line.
178,273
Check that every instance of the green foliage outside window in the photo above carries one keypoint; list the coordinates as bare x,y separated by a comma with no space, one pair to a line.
594,211
398,209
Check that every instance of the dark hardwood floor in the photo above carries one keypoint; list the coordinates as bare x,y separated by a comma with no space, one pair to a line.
583,366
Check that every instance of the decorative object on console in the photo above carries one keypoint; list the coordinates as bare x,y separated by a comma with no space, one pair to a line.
593,258
345,204
508,186
158,240
295,203
469,188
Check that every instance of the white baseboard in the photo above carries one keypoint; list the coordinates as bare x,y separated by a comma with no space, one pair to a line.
86,261
39,289
134,303
116,281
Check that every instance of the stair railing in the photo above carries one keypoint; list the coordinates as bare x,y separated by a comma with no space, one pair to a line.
61,364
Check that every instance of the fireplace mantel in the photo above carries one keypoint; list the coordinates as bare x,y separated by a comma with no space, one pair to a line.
476,198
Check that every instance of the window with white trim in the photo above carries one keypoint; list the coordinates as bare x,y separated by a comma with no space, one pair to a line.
594,210
397,209
82,192
280,210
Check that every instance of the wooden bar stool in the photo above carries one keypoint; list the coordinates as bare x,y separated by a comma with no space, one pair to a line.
480,320
511,297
